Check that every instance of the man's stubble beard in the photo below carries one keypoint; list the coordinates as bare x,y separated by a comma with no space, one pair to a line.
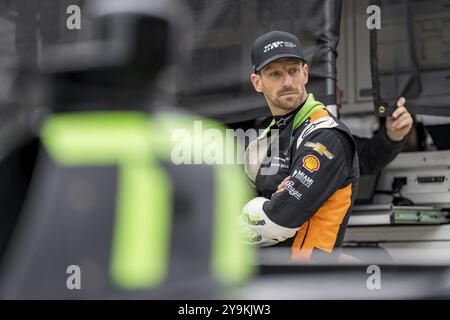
288,107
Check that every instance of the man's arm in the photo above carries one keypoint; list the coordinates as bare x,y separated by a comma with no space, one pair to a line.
319,168
375,153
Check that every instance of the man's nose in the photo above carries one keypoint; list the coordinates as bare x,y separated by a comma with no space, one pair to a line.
287,80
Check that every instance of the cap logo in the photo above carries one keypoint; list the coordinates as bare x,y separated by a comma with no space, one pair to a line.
278,44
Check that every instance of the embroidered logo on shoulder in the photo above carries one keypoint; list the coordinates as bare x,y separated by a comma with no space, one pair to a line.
311,163
320,149
324,122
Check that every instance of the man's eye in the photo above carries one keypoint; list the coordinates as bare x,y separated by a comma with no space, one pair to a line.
293,71
275,74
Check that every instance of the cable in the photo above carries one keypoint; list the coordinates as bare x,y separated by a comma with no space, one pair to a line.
397,198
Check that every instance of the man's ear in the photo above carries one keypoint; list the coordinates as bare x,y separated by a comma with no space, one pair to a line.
305,70
256,81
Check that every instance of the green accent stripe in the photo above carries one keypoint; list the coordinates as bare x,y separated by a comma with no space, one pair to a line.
232,259
140,246
310,106
96,138
266,130
139,257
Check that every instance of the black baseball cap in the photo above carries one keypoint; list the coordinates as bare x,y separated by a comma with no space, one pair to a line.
275,45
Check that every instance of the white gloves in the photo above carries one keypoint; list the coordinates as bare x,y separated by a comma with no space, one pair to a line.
258,229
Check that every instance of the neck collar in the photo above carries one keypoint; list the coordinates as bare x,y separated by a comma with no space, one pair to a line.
300,114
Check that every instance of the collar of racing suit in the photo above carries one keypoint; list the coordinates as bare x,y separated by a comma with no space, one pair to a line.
309,106
283,121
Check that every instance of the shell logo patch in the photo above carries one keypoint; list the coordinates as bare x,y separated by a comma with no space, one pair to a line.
311,163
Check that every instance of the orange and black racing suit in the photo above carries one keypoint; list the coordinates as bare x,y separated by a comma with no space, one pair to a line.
319,153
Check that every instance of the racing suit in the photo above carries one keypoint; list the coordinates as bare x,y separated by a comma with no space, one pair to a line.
312,212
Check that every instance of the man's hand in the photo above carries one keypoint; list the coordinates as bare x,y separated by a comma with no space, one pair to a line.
282,185
257,228
398,126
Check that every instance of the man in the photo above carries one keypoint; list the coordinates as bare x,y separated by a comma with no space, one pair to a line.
375,153
315,149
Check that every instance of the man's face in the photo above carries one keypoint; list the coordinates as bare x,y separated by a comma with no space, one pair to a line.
283,84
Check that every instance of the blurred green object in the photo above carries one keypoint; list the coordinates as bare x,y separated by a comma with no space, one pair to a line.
135,143
106,197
